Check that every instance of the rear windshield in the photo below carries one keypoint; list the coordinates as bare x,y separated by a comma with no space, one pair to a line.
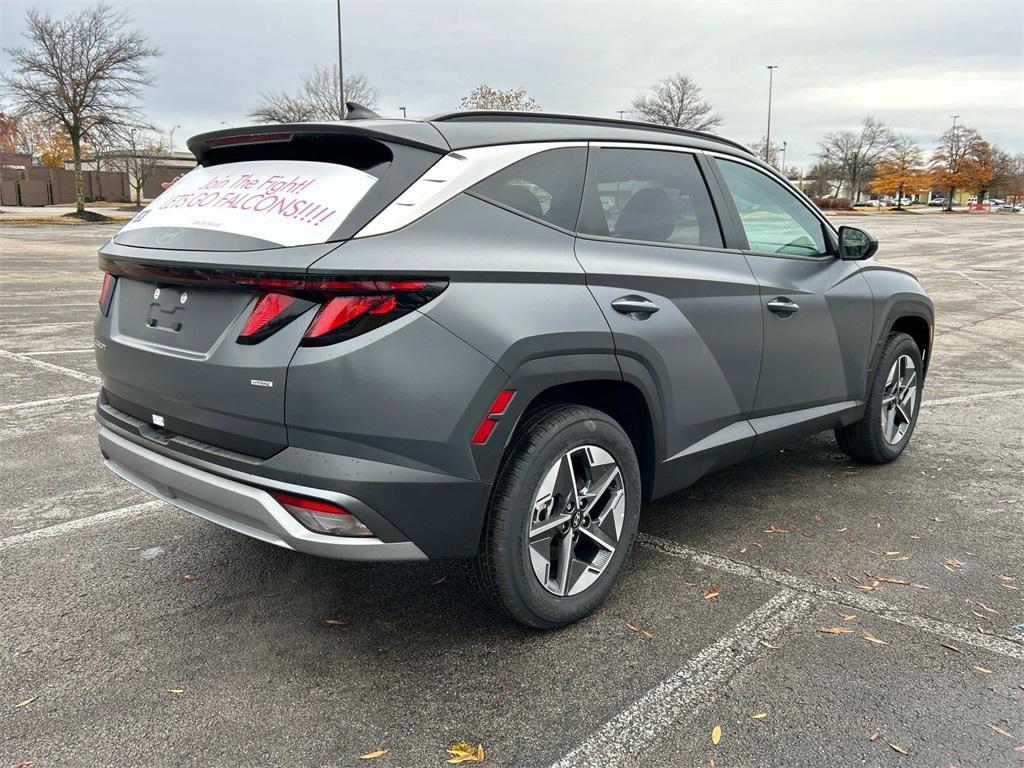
276,202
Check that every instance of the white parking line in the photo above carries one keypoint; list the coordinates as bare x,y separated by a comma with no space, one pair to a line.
71,526
622,739
50,366
37,324
47,304
58,351
972,398
50,401
862,602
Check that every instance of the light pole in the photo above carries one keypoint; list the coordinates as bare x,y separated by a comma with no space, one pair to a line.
768,136
783,169
621,113
341,72
403,112
172,137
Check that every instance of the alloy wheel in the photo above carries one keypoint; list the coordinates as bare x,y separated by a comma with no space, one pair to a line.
577,519
899,399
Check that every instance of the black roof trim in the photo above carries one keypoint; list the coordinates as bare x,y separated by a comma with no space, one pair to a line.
552,117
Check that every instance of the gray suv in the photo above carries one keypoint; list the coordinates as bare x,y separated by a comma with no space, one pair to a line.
487,336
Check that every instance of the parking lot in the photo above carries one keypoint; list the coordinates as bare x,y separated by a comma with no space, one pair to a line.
134,634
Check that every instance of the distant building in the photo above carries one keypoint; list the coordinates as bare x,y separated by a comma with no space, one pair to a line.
169,166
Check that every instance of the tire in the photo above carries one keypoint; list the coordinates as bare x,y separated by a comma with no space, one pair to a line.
561,442
869,440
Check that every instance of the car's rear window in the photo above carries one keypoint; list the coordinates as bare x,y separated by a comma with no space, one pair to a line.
282,202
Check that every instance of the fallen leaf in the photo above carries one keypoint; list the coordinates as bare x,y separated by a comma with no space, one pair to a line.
898,748
442,580
464,752
1000,731
775,529
872,639
848,616
986,608
893,553
743,551
760,716
983,671
874,736
951,647
716,735
712,592
176,691
642,632
374,755
23,764
766,644
1010,586
333,622
841,530
25,703
835,630
190,577
1019,749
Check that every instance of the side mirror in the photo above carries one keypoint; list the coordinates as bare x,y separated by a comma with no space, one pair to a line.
856,244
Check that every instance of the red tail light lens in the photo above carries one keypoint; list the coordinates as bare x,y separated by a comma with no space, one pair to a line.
321,516
370,305
272,311
106,292
494,413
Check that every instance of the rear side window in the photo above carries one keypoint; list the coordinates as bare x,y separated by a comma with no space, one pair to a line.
649,195
545,186
774,220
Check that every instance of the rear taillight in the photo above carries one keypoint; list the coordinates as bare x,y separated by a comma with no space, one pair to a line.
361,306
106,292
321,516
271,312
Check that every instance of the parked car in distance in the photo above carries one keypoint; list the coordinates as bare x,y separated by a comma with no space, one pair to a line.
487,336
937,201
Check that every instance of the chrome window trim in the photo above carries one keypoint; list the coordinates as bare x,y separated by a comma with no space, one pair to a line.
454,173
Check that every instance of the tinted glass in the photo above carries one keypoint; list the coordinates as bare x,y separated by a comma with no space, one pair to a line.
546,186
773,218
640,194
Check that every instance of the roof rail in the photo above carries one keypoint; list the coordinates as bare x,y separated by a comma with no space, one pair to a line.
583,119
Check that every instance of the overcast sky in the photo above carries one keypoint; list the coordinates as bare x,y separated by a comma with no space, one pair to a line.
910,64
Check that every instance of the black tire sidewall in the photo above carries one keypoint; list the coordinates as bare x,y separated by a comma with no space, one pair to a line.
561,431
899,344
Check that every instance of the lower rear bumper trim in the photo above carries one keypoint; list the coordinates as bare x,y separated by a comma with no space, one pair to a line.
243,508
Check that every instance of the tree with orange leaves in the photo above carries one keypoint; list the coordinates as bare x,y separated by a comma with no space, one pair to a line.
960,161
901,171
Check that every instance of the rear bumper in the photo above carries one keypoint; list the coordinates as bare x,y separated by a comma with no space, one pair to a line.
244,507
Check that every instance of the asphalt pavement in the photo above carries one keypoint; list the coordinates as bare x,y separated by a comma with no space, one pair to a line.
814,611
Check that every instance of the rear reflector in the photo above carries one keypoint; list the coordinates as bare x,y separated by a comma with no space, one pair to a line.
321,516
106,292
494,413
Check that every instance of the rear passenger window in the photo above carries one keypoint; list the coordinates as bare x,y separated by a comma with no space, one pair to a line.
649,195
545,186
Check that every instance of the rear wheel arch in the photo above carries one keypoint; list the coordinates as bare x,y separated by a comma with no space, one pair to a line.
622,401
914,318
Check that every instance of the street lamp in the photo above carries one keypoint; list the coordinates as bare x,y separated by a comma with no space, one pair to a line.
341,72
768,136
172,137
403,112
621,113
783,158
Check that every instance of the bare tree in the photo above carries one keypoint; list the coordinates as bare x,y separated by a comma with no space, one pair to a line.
676,101
141,149
316,100
81,71
774,153
854,154
483,97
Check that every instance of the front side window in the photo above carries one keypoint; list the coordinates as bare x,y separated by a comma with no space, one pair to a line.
545,186
774,220
648,195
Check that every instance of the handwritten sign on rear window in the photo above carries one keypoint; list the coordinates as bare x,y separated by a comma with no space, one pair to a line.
289,202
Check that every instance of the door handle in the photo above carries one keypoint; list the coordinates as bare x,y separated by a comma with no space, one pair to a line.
783,307
636,307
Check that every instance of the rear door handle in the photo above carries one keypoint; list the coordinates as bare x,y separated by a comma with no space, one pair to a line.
636,307
783,307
